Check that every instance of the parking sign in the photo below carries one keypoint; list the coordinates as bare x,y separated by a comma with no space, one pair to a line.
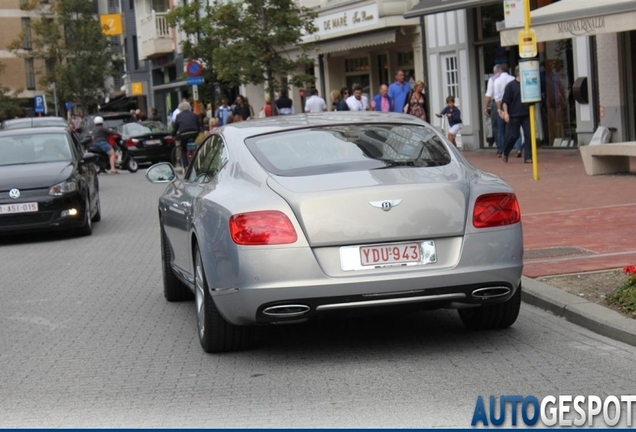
39,102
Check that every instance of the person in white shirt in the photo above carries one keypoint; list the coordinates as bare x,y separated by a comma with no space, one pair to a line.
490,107
176,112
357,101
499,87
315,103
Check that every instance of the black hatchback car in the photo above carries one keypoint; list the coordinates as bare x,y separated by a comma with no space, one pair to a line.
47,182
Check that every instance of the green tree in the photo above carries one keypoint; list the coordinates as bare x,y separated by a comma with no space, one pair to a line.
9,106
68,40
249,41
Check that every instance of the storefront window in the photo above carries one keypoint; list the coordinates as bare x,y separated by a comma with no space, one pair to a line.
406,62
357,72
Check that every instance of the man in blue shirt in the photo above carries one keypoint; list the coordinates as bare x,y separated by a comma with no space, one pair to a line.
223,112
398,91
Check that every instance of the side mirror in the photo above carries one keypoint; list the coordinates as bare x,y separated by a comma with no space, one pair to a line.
161,173
89,158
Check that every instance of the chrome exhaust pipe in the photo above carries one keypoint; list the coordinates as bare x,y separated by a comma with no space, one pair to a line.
487,293
286,310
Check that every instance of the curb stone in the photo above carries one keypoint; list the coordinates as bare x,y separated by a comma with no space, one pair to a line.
577,310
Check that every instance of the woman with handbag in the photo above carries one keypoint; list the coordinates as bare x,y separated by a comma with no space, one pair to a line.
415,101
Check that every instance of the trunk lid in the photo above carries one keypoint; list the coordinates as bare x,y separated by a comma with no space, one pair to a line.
346,208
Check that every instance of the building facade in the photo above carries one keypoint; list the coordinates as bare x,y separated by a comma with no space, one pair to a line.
587,72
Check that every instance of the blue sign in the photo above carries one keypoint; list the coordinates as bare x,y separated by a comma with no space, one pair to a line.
194,68
39,104
194,80
68,105
530,80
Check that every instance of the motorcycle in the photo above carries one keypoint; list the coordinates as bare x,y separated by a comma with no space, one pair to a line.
124,159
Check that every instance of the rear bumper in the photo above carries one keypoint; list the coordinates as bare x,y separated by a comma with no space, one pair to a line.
158,154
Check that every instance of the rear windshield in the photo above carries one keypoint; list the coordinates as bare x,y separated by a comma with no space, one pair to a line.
348,148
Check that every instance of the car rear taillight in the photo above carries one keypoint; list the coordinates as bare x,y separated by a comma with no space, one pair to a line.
496,209
131,142
262,228
168,140
112,139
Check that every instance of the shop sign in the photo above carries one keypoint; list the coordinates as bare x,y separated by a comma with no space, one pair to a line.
582,27
530,80
351,19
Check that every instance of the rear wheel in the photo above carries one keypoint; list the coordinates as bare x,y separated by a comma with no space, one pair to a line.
492,317
173,289
215,334
132,165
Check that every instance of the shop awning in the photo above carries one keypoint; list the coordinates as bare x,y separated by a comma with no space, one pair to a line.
359,41
571,18
428,7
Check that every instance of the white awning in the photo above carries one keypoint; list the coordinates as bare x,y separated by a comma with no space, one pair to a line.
428,7
571,18
355,42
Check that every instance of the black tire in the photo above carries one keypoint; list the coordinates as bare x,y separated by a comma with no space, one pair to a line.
87,227
215,334
98,210
132,165
173,289
492,317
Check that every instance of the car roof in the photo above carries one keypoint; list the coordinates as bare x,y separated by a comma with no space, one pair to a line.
33,120
246,129
34,131
111,114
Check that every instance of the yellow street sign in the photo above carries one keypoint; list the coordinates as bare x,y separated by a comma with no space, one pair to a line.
111,24
137,88
527,43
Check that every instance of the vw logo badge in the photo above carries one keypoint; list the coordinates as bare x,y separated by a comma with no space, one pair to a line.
14,193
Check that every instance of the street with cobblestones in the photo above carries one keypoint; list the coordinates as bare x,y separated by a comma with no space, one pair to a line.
88,340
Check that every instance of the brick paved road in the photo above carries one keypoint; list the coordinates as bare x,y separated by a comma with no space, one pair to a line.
87,340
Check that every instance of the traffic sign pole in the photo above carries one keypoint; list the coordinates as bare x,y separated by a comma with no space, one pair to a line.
533,133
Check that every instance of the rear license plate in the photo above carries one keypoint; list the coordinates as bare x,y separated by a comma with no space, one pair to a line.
387,255
153,142
18,208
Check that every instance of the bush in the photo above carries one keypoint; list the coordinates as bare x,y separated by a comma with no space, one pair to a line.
625,296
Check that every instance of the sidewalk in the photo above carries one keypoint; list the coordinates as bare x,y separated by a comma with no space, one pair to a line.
572,223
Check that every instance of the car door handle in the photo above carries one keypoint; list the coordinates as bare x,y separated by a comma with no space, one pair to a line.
185,204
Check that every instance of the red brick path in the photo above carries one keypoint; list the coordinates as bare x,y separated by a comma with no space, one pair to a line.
567,208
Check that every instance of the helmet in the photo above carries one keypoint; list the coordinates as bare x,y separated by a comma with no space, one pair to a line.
98,120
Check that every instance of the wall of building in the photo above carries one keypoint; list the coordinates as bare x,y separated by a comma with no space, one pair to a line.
449,49
611,98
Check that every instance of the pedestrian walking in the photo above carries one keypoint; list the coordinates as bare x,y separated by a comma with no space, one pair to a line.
490,106
516,114
382,101
398,92
356,101
315,103
415,102
502,127
223,112
284,104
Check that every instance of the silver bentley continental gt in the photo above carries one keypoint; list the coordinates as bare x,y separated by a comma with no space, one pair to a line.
283,219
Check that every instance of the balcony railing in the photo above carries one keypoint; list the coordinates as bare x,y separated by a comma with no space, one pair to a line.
154,35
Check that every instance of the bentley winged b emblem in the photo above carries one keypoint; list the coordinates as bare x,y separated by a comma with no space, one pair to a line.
386,205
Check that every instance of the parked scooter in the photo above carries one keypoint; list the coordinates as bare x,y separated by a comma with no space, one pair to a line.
124,159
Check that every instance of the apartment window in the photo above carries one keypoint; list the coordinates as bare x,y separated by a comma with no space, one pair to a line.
133,39
451,76
49,66
26,33
115,45
113,6
29,70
